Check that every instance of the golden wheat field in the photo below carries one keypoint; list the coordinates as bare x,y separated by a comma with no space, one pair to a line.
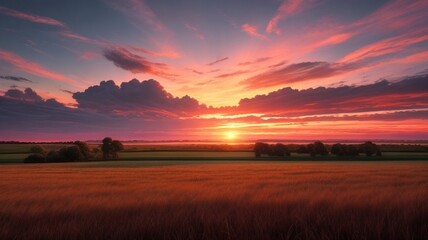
221,200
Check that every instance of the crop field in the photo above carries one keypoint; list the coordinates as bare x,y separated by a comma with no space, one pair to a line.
214,200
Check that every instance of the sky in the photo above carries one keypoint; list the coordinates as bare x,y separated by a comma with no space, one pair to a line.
213,70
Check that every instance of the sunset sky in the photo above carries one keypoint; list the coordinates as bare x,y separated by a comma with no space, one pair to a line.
224,70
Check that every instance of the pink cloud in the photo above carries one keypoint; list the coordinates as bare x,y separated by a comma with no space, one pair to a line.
80,38
298,72
395,15
417,57
387,46
166,51
252,30
138,11
88,55
195,31
232,74
335,39
30,67
31,17
287,8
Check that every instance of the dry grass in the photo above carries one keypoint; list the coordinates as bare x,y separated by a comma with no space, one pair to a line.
216,201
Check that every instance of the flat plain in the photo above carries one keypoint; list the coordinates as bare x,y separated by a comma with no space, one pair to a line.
215,200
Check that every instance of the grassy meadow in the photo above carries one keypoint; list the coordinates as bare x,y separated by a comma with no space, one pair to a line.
214,200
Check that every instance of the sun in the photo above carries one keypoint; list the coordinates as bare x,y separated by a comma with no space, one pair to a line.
231,135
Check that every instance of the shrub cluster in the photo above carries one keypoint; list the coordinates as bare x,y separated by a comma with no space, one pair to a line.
278,149
110,148
318,149
79,151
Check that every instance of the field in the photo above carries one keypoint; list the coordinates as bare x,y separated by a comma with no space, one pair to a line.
215,200
16,153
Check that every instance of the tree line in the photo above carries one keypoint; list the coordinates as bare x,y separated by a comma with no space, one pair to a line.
318,148
78,151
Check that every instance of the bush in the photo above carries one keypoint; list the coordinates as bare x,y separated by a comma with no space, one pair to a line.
71,154
110,148
370,149
302,149
278,149
35,158
339,149
84,149
53,156
344,150
66,154
37,149
317,148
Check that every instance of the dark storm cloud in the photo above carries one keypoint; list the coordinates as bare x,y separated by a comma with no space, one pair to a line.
298,72
135,97
16,79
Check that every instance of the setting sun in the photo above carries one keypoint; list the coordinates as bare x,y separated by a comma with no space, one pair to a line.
231,135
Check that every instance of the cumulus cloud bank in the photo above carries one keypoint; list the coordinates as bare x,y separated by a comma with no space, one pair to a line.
136,108
141,98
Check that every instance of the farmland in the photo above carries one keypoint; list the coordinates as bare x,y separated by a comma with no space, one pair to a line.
16,153
214,200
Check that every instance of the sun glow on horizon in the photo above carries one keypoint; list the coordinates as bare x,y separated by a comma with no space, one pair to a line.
231,135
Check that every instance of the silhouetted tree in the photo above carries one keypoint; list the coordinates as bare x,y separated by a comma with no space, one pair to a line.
116,146
353,150
106,147
339,149
52,156
317,148
111,148
35,158
278,149
370,149
38,149
70,154
344,150
260,148
84,149
302,149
